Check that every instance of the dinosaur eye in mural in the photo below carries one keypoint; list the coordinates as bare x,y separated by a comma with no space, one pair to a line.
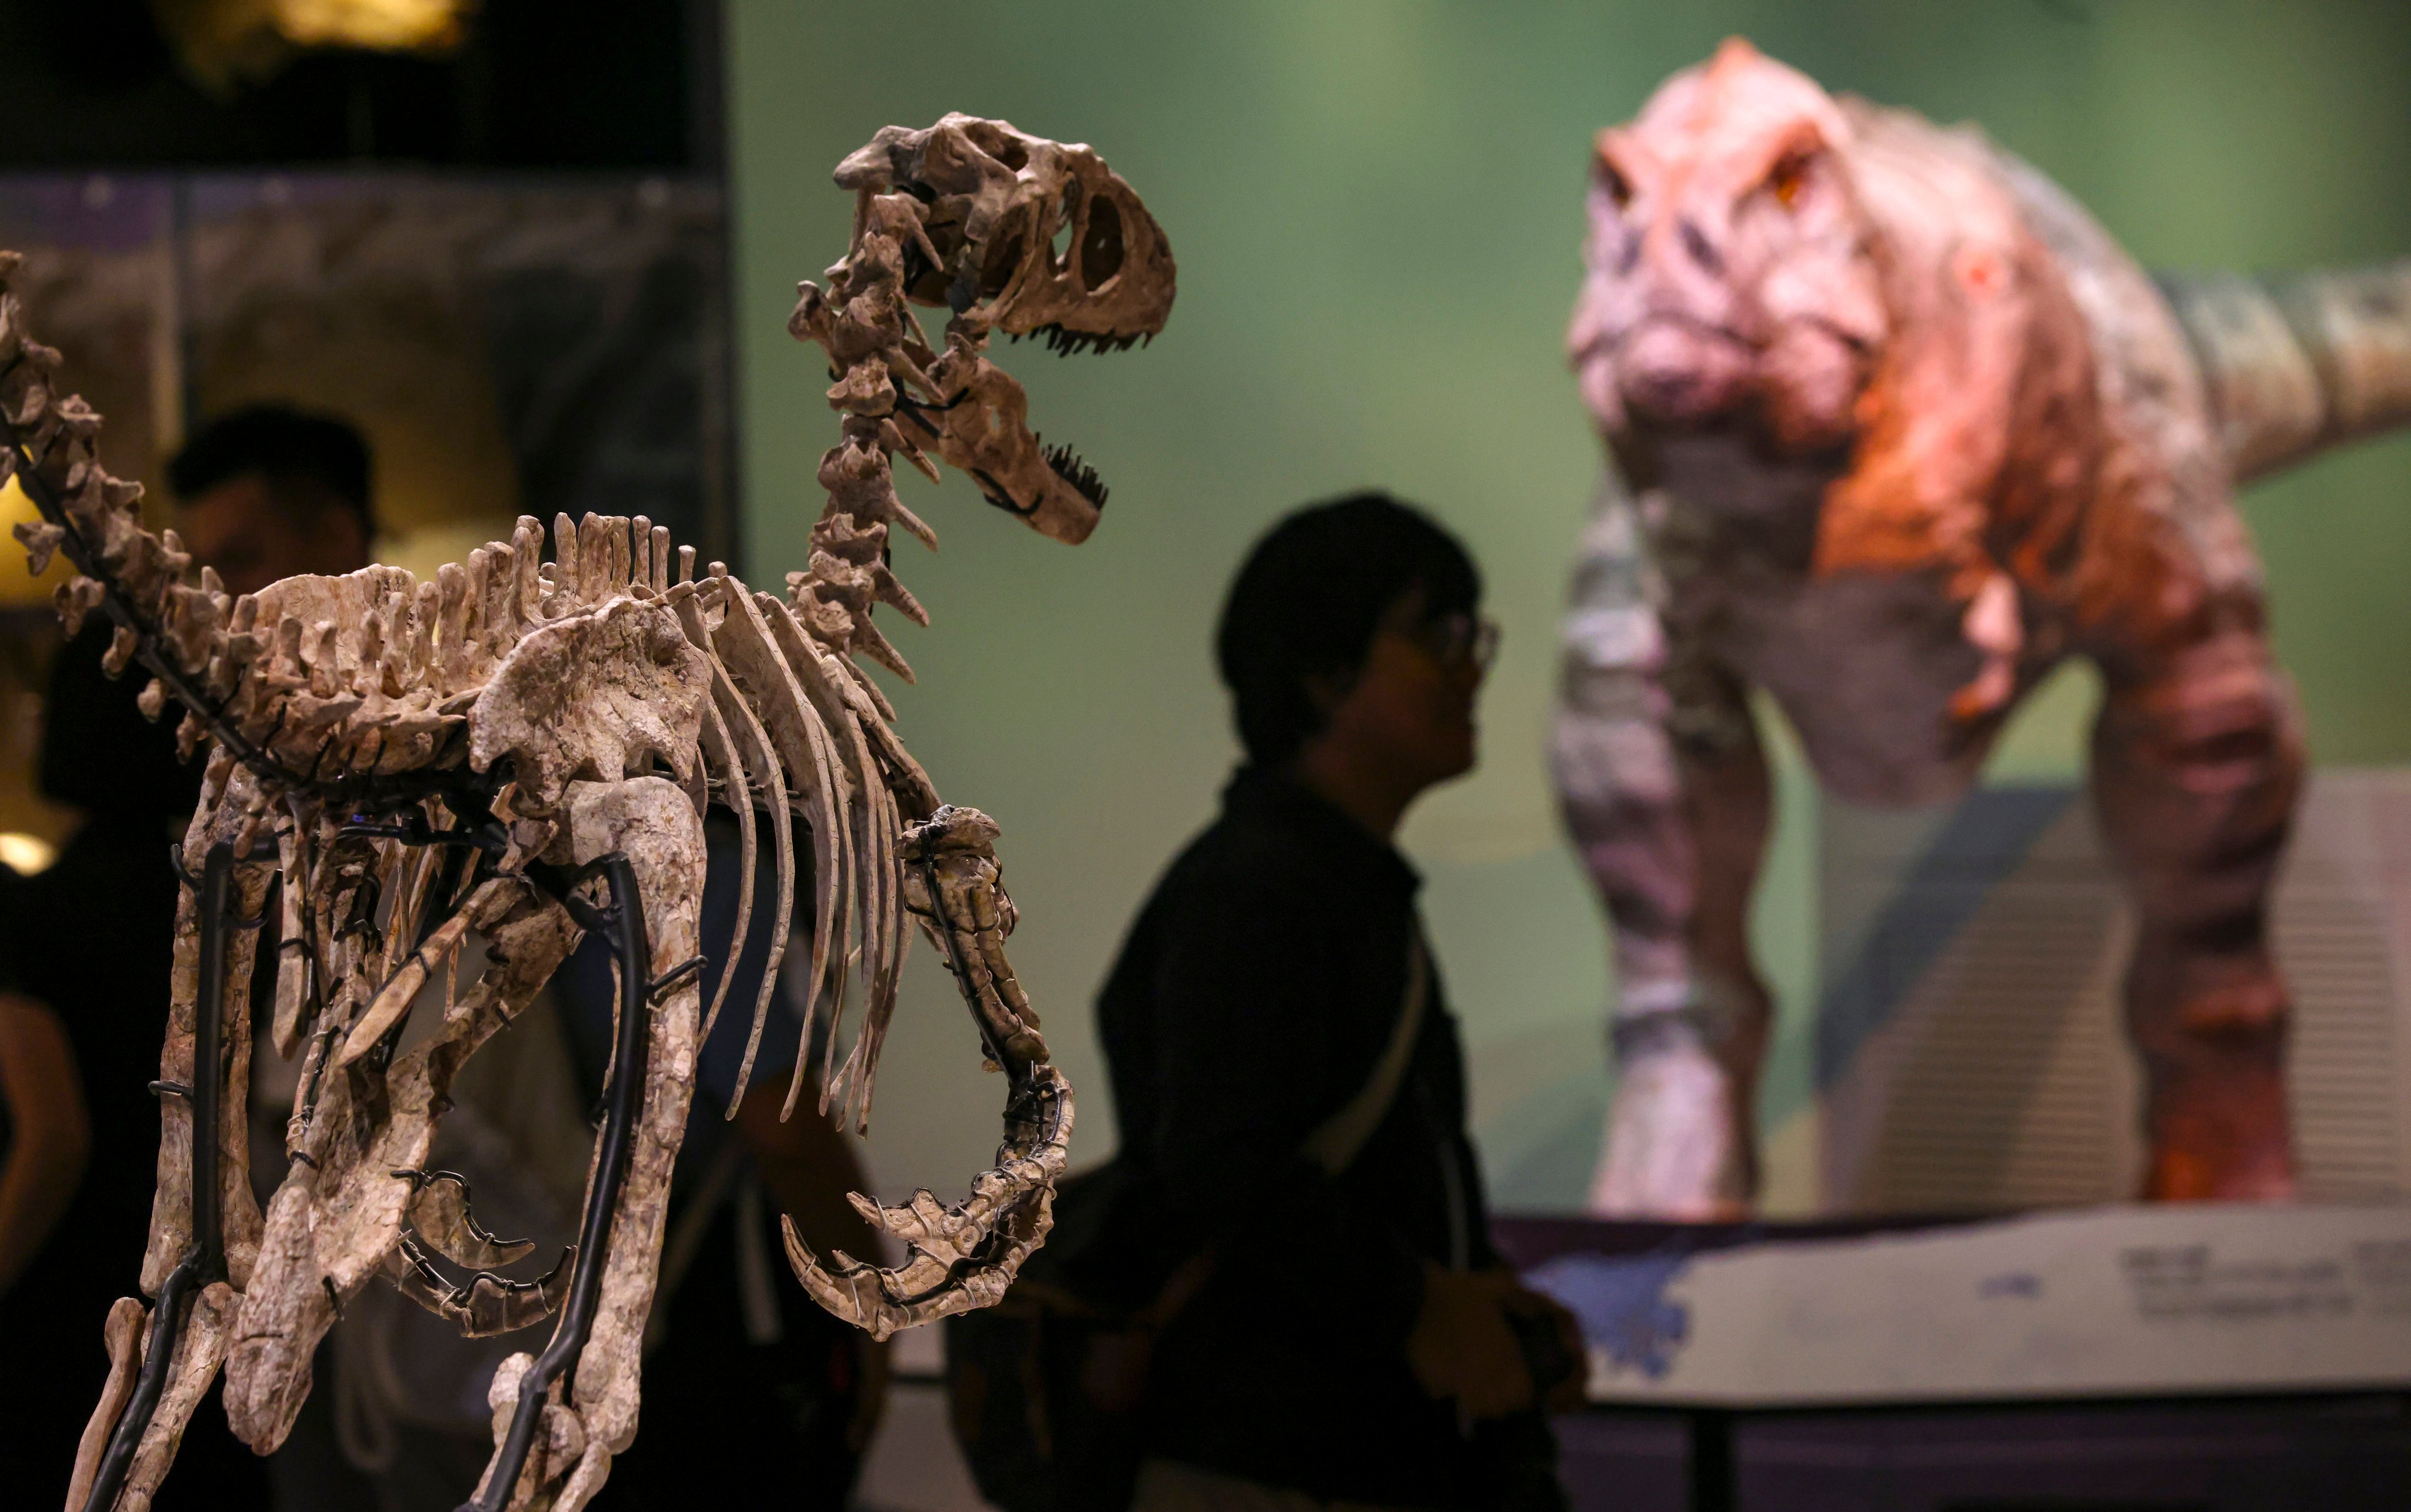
522,749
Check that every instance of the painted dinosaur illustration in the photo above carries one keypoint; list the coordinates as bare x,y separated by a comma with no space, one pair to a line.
1902,431
521,750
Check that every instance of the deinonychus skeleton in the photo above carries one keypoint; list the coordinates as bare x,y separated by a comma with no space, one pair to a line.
523,749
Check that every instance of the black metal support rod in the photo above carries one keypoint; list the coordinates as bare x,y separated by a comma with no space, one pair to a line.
204,1257
1712,1487
624,922
209,1063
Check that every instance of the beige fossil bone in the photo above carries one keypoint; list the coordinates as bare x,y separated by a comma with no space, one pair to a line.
519,752
651,822
962,1257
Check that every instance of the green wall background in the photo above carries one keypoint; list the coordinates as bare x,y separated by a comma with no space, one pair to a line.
1376,208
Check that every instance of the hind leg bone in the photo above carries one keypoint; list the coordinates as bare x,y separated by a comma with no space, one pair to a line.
645,837
205,1225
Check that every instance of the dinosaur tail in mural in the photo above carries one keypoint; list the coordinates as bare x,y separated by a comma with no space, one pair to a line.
2294,364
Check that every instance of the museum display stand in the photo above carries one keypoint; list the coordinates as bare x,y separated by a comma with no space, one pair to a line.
2211,1356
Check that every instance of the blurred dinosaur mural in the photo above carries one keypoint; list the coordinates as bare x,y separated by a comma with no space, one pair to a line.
1900,429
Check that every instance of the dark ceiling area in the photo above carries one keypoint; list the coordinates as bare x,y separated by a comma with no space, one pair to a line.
534,84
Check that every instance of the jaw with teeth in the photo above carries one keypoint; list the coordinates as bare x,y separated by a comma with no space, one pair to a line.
1017,234
983,431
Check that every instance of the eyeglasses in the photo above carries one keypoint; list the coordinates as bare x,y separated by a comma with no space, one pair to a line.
1460,639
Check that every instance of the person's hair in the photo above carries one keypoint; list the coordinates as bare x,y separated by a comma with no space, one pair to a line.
1310,596
282,445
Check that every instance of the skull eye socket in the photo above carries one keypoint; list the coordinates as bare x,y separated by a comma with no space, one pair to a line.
1004,253
1101,249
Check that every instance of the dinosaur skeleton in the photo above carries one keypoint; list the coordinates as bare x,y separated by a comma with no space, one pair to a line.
522,749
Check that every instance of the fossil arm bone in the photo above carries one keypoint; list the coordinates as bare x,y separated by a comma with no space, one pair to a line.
964,1255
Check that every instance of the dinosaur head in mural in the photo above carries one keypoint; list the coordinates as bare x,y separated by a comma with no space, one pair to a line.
1729,276
1010,233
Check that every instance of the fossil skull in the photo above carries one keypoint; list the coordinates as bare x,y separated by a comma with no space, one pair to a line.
1011,233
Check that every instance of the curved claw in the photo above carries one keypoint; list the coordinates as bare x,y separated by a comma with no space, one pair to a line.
962,1257
881,1302
438,1212
486,1303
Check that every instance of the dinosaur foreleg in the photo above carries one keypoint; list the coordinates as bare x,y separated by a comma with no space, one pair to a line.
1665,791
964,1255
560,1417
2194,771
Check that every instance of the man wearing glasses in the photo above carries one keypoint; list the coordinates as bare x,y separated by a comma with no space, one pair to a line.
1288,1079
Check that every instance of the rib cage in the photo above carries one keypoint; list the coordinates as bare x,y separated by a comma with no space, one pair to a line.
374,673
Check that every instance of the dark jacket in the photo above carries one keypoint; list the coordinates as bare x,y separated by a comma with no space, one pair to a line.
1250,1002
